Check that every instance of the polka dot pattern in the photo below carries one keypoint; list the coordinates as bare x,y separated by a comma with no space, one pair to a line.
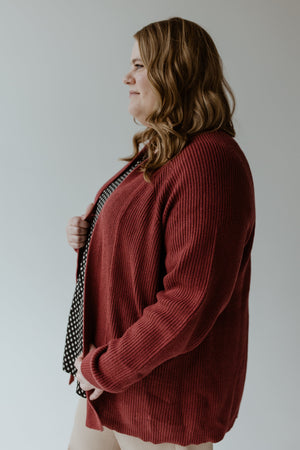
74,335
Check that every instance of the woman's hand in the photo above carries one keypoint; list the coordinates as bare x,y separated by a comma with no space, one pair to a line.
84,384
77,229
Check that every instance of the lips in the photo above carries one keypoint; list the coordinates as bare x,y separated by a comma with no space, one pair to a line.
133,92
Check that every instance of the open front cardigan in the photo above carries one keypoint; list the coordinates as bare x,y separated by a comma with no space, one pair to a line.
166,296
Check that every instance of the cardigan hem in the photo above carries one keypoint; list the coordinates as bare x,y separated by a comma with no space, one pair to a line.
168,435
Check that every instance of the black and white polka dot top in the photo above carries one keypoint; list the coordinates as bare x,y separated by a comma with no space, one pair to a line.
74,335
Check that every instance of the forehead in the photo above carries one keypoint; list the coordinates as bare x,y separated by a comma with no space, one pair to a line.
135,53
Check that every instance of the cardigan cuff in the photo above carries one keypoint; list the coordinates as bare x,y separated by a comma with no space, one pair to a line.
88,368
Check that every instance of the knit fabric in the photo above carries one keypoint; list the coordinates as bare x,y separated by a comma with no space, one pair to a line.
166,296
74,335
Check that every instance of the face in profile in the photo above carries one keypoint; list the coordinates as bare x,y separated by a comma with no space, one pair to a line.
143,99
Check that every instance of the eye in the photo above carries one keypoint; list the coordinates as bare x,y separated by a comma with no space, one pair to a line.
138,65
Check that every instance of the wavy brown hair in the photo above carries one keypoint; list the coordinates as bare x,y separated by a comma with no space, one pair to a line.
186,71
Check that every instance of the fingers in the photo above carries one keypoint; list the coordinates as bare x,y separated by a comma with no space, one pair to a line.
77,230
84,384
77,241
78,222
77,363
96,394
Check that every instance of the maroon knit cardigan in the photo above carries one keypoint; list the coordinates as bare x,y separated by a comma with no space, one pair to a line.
166,296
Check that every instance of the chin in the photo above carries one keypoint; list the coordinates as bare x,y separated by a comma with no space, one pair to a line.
137,118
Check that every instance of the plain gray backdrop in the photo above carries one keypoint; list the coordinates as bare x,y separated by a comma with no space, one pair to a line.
64,123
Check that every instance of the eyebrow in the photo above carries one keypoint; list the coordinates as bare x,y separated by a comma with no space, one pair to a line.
135,59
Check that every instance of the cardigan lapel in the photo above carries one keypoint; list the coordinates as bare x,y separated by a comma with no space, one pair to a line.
114,177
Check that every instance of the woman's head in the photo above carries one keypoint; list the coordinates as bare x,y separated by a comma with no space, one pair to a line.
186,92
143,99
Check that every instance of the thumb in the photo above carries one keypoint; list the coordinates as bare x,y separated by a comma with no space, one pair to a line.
88,210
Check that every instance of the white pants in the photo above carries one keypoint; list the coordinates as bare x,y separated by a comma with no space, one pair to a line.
84,438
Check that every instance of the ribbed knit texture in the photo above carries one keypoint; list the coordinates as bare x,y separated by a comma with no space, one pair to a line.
74,335
166,297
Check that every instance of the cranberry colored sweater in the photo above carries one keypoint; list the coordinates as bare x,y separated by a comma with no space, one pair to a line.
166,296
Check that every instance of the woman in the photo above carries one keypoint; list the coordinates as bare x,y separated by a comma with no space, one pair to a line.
160,353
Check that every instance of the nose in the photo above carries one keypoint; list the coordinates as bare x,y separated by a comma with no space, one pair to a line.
128,79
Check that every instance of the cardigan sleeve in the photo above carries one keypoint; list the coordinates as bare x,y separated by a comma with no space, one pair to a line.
207,221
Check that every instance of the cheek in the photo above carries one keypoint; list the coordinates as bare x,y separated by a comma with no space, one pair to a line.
144,83
148,92
143,87
148,96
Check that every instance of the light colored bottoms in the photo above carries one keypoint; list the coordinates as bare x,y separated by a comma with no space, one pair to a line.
84,438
